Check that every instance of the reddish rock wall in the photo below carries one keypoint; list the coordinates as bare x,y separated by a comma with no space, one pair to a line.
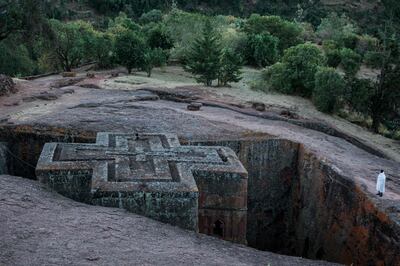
271,164
297,203
334,219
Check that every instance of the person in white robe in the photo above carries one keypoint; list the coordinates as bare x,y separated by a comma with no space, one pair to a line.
380,183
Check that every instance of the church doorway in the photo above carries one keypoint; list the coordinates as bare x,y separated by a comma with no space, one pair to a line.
218,228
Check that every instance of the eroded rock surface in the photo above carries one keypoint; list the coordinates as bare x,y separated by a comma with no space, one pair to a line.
38,227
312,191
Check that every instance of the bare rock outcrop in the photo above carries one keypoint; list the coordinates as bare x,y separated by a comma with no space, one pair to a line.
38,227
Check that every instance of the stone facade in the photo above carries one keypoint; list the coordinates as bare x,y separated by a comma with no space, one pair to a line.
198,188
271,164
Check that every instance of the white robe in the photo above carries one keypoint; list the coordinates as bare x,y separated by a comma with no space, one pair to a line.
380,183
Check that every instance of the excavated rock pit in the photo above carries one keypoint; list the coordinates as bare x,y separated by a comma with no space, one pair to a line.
297,204
310,193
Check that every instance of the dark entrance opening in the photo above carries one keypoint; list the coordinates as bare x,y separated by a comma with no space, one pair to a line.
218,229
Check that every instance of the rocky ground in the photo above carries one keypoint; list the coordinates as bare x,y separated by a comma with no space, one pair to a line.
38,227
99,104
56,105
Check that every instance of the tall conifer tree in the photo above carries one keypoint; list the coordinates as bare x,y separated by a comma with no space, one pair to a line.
203,60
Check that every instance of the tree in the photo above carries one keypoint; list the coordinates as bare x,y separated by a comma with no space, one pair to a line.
329,86
262,49
159,37
129,50
385,91
380,98
153,58
102,49
203,60
300,64
339,29
123,23
14,59
67,43
231,64
288,33
20,16
154,15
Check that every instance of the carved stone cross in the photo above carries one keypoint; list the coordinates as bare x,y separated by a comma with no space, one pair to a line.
152,175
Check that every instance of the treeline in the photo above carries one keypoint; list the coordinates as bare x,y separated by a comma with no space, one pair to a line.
305,10
319,62
326,69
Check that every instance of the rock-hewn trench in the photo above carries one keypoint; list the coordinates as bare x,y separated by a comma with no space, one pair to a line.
297,204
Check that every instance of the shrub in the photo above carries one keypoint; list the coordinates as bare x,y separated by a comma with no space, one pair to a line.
329,86
159,37
308,33
233,39
332,53
262,49
122,23
350,61
154,15
349,40
153,58
359,94
276,76
47,63
365,44
288,33
15,60
338,28
333,58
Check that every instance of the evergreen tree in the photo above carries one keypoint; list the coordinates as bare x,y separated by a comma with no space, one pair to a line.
204,58
229,71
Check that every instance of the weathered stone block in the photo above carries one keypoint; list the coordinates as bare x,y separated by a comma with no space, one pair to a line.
153,175
68,74
194,106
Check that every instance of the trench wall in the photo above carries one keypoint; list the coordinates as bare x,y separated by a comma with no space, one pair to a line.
26,143
297,204
333,219
3,158
271,164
